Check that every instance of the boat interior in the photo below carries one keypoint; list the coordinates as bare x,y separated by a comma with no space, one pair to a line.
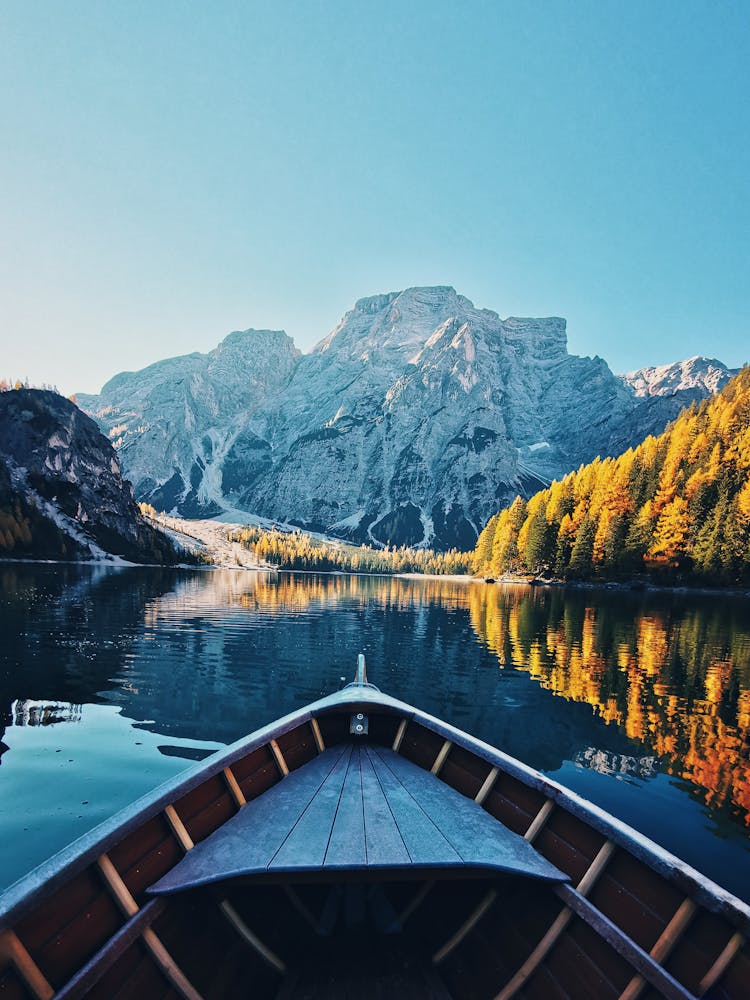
362,850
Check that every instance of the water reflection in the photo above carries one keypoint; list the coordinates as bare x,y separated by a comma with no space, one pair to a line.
672,672
640,701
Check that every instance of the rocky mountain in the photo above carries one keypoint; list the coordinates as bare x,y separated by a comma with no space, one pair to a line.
677,507
702,376
662,393
175,422
411,422
62,495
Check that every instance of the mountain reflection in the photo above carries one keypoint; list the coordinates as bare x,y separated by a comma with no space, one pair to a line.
44,713
673,672
645,682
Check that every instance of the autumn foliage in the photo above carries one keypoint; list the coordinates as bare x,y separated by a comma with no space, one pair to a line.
678,505
297,550
675,679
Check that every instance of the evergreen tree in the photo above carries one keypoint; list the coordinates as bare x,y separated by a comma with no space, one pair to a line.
538,551
583,549
482,554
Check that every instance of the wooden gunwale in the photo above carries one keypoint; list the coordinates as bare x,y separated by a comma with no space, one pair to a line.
678,873
49,877
43,881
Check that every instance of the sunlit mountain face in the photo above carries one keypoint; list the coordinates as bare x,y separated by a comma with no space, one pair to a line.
412,422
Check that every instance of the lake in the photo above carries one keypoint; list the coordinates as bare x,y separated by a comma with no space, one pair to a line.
114,679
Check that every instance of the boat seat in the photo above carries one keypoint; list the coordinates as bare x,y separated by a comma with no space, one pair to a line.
359,808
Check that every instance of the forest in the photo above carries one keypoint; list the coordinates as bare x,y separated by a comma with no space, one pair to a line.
297,550
676,508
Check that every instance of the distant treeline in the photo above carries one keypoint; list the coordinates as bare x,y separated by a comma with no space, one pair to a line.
296,550
10,384
677,506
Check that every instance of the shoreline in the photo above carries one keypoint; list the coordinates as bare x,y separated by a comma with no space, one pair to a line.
624,586
619,586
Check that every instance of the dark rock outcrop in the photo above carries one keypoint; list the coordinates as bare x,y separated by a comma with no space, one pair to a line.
62,495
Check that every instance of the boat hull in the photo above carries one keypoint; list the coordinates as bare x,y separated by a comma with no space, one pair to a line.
630,920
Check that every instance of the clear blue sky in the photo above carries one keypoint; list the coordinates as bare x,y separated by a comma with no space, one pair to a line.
173,171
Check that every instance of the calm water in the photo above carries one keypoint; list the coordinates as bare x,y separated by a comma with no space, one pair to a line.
112,680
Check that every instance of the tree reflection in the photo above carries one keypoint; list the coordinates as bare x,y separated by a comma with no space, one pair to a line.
675,676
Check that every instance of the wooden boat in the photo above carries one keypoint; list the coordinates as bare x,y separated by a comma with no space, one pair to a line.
360,847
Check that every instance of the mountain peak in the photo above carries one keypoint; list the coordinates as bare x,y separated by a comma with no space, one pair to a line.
246,343
697,373
252,335
417,293
398,320
410,422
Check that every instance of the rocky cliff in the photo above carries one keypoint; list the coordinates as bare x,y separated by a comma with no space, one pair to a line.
411,422
182,427
62,495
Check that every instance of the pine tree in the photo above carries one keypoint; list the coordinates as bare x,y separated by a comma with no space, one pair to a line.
538,551
482,554
583,550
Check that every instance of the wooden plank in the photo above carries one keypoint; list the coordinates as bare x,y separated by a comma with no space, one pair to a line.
468,925
443,752
169,967
304,845
663,947
346,847
475,836
318,736
413,905
251,938
722,963
537,956
641,961
487,784
120,892
250,839
398,739
539,821
304,911
596,867
383,841
278,756
422,838
234,789
90,974
178,828
11,948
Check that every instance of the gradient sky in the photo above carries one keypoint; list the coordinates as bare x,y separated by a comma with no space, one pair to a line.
173,171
